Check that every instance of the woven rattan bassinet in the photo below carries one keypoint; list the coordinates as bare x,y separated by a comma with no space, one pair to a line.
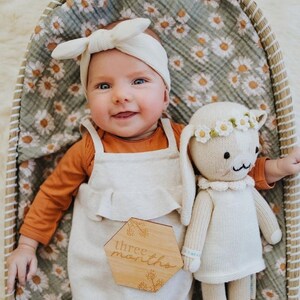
250,70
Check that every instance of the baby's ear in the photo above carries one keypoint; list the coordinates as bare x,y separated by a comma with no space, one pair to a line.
167,97
261,116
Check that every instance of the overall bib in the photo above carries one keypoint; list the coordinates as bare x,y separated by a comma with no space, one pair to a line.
144,185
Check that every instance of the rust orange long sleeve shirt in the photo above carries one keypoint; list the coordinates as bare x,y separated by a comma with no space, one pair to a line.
57,192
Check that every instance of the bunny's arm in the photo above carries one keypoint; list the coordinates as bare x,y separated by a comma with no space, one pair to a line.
267,219
196,232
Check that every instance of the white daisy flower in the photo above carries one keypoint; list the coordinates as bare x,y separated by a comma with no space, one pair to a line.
28,139
252,120
59,107
255,38
57,25
27,167
202,134
85,5
191,99
127,14
50,148
29,85
87,29
44,122
182,16
234,79
174,100
242,64
52,42
176,62
213,3
281,266
75,89
203,38
101,23
269,294
71,137
67,5
22,293
150,9
215,20
181,30
47,87
34,69
39,281
271,122
49,252
223,128
242,123
25,186
253,86
212,97
262,105
263,69
200,54
72,119
56,69
164,24
243,24
39,31
58,271
202,82
61,239
223,47
23,208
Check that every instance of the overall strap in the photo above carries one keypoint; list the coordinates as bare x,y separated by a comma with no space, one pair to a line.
95,137
169,133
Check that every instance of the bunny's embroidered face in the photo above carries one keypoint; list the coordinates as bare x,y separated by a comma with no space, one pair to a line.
226,158
223,142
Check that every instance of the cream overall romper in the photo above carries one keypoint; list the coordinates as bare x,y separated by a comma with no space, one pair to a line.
144,185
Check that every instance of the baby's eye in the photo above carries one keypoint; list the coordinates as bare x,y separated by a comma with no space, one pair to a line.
103,86
139,81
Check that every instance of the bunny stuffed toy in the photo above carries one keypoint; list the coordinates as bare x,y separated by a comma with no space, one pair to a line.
222,243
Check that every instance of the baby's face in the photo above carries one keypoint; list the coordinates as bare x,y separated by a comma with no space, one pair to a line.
125,95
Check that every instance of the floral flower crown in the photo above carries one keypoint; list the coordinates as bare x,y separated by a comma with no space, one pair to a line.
224,128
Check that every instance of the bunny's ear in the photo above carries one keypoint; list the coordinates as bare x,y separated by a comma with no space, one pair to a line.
261,117
188,175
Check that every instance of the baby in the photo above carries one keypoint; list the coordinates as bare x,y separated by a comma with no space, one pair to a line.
126,164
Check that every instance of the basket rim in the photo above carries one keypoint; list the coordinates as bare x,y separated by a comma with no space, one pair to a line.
284,116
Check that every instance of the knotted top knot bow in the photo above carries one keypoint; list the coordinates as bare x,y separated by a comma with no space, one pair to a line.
128,37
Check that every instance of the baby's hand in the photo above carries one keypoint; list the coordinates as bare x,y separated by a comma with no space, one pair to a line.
290,164
276,169
22,263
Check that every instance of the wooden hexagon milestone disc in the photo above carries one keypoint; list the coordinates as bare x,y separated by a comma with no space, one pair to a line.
143,255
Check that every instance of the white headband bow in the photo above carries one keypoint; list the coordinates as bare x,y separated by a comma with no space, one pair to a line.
127,37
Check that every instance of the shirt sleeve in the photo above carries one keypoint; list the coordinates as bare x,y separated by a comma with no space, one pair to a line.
55,195
258,174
